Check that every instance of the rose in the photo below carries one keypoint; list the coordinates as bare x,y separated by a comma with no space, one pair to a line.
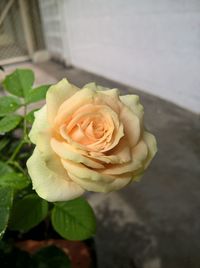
89,139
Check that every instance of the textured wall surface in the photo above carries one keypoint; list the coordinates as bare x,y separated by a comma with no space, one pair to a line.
152,45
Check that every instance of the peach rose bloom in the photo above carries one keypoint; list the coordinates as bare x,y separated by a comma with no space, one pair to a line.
87,139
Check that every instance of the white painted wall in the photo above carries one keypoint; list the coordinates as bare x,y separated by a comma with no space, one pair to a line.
150,44
53,22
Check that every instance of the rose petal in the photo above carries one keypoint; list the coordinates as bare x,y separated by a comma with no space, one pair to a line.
51,181
40,133
139,155
84,172
105,90
131,125
71,105
40,124
133,102
66,151
79,140
56,95
150,141
119,155
109,97
102,186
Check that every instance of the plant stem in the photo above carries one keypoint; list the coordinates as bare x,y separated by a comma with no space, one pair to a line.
17,165
25,123
24,140
19,146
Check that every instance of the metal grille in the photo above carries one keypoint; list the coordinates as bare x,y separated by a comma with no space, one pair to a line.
13,42
36,24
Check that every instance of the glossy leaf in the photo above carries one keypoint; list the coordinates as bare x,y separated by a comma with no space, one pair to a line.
5,169
9,122
14,180
74,220
28,212
20,82
9,104
6,199
37,94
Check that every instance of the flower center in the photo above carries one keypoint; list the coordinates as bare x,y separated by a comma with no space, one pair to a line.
88,129
92,128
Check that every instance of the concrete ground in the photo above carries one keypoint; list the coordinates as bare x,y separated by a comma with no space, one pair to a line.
155,222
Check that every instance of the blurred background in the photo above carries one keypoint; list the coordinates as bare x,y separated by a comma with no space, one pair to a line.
147,47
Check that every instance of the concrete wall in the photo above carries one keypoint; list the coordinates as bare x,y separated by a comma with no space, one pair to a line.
150,44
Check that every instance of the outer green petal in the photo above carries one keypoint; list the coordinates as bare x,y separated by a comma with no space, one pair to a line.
109,96
137,177
40,124
151,143
50,180
105,90
102,186
133,102
91,86
56,95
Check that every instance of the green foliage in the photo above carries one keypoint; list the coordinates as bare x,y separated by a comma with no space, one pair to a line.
20,208
4,169
74,220
28,212
19,83
30,116
9,104
9,122
3,143
6,198
37,94
15,180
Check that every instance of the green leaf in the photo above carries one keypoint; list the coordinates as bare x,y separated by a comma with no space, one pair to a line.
6,199
30,116
28,212
14,180
9,122
9,104
37,94
74,220
3,143
20,82
4,169
51,257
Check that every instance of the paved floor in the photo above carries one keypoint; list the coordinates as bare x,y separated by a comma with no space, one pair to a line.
155,222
